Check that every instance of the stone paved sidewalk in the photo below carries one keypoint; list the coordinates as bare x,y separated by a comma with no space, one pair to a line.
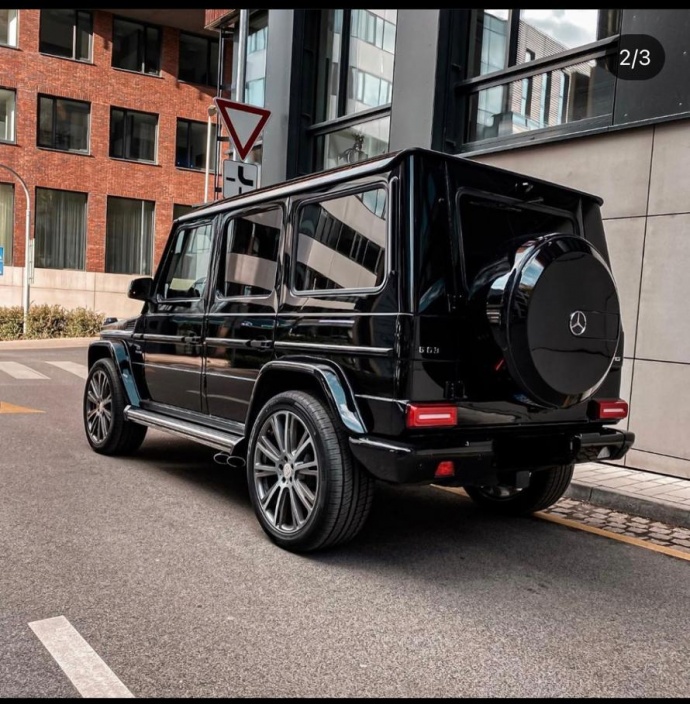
643,494
625,524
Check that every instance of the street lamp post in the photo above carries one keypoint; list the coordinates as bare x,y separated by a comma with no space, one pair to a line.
27,248
211,113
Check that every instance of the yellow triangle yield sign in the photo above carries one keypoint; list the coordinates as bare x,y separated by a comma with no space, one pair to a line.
11,408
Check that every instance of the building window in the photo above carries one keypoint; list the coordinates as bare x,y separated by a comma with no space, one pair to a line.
129,236
373,29
198,60
255,76
354,81
6,221
8,27
63,124
190,145
60,229
66,33
7,116
341,243
133,135
525,67
136,46
179,210
370,90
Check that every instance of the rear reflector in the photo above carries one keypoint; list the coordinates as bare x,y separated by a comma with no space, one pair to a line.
431,416
444,469
610,409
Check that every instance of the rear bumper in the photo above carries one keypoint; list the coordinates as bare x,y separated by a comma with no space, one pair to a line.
485,461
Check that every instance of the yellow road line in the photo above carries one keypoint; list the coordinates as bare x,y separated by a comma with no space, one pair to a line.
11,408
673,552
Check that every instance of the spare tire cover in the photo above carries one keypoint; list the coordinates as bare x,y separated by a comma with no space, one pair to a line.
556,315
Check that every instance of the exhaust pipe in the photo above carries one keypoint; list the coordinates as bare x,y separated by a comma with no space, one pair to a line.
230,460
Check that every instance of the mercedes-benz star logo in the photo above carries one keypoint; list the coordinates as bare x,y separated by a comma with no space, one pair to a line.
578,323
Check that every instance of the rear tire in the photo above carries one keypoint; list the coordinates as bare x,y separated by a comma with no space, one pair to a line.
306,489
545,488
104,404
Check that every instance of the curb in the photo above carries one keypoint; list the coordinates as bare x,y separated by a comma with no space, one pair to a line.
46,343
654,509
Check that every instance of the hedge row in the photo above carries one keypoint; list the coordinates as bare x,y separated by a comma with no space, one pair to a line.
49,321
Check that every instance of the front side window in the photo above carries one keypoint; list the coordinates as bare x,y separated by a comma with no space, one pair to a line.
198,59
129,236
6,221
136,46
354,80
187,264
557,72
7,116
250,246
66,33
8,27
63,124
60,229
133,135
190,145
341,243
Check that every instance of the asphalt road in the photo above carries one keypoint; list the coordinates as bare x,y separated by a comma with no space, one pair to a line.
159,564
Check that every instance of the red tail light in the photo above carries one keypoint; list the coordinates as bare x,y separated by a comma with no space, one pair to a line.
611,408
431,416
444,469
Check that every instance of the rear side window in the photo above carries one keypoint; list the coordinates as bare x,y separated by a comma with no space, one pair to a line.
340,243
249,255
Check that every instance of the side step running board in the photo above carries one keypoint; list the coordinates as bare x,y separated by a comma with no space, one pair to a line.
217,439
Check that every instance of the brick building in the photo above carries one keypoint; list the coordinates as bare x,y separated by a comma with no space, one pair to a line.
104,116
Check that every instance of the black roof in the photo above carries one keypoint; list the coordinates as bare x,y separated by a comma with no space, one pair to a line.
374,165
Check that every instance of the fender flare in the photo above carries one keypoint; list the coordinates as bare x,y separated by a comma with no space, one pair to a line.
332,382
118,352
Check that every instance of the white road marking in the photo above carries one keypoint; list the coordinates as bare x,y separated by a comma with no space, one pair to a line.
20,371
72,367
78,660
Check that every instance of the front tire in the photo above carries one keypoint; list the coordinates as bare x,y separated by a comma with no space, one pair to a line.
545,488
104,404
306,489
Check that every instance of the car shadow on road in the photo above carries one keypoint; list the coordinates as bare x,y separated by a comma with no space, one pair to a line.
420,529
192,462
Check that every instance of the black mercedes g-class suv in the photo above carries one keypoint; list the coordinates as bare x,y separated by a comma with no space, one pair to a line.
413,318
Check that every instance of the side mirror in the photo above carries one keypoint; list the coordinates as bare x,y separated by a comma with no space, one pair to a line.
140,289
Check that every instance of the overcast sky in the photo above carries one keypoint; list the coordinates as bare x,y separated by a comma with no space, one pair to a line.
568,27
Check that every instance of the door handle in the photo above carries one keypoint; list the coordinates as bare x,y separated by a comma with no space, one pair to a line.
260,343
192,340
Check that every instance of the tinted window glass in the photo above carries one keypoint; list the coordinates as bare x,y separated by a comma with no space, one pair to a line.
251,254
341,243
185,275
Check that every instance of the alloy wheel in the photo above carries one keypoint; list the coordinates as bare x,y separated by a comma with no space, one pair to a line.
286,471
99,407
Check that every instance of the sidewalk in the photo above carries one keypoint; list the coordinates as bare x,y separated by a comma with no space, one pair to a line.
46,344
645,494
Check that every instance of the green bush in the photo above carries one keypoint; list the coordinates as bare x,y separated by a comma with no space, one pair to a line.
46,321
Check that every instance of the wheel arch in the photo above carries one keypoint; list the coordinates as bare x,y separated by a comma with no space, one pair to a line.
324,379
117,351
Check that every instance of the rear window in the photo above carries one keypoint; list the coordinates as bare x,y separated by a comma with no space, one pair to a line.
491,228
